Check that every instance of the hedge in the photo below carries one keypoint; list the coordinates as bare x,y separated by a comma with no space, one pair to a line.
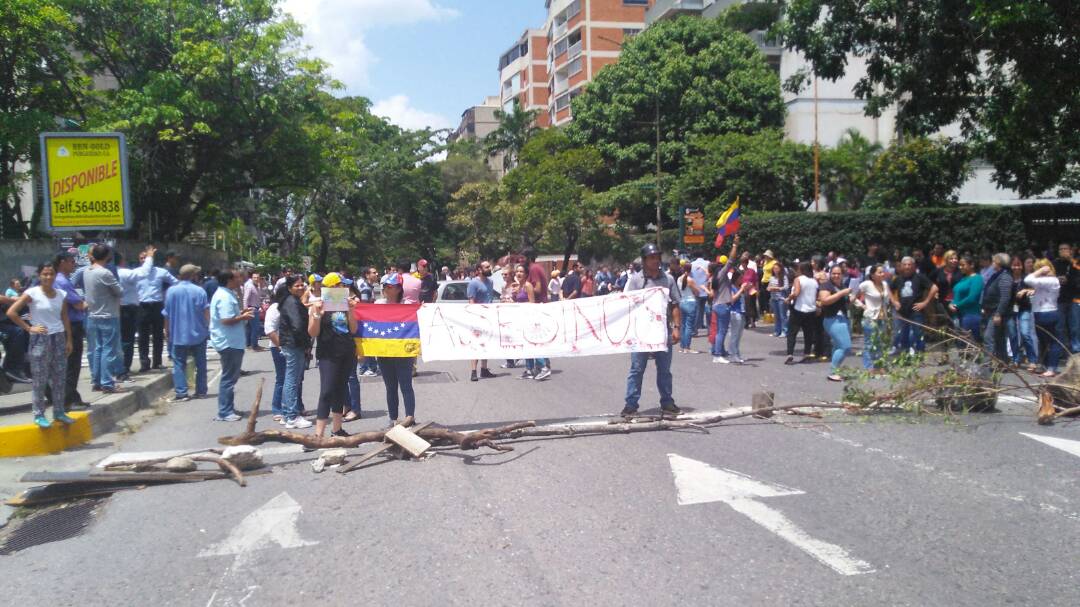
967,228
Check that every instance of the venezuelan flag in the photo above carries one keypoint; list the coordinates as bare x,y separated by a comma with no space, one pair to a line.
387,330
728,224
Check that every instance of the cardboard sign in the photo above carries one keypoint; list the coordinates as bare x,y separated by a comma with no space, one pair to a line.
335,299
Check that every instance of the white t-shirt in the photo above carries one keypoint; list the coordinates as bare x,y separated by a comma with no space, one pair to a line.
271,319
874,301
1047,289
806,302
47,311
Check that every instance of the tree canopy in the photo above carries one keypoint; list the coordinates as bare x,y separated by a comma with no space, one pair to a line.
1005,72
697,77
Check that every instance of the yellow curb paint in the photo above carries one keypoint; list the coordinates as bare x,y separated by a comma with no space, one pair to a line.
29,439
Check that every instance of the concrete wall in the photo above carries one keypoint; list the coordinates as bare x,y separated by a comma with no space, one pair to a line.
14,254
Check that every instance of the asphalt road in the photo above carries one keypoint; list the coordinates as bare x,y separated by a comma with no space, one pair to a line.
965,512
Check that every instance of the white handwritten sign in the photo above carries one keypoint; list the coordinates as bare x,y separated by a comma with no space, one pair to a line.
620,323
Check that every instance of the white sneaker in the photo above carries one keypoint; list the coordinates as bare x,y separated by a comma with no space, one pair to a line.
739,361
298,422
544,374
721,360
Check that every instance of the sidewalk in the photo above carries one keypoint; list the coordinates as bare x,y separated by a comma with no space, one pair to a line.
19,436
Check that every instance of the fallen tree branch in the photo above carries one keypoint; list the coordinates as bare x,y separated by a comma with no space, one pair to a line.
227,466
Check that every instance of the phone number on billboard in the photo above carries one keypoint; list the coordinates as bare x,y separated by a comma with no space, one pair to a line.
87,206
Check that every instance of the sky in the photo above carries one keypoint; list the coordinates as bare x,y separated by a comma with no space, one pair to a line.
421,62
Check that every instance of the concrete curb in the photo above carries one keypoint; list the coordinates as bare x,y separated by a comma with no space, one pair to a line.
28,440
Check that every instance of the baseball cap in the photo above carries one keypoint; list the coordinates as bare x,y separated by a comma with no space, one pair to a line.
314,278
422,263
768,253
334,279
392,279
723,259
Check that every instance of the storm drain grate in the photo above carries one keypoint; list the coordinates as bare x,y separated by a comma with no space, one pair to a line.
51,526
425,377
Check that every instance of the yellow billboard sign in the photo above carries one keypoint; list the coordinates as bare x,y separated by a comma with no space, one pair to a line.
86,183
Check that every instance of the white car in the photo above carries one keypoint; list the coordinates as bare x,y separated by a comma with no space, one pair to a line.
453,291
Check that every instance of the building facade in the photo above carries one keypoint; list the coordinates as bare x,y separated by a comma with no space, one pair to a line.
523,75
582,37
477,122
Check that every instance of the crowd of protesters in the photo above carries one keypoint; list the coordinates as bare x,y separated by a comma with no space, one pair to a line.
1023,308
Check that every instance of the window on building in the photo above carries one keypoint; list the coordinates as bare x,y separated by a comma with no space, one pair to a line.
636,2
573,67
630,32
562,102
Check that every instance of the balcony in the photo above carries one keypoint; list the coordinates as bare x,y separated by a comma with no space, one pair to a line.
669,9
770,45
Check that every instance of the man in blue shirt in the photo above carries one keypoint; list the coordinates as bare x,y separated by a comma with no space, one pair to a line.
481,291
65,267
228,337
151,322
187,326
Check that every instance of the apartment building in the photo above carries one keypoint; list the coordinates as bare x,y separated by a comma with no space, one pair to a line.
478,121
582,37
523,75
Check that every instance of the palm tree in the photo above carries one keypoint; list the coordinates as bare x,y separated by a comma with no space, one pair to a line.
515,128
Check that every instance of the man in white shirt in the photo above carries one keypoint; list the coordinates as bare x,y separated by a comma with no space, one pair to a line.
699,271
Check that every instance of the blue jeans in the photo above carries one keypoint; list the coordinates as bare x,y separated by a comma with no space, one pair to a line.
873,342
907,335
354,390
722,317
702,320
688,308
735,334
103,334
179,370
1074,327
397,375
779,310
279,382
638,360
1049,339
231,361
972,323
537,363
254,330
994,337
293,382
1021,331
839,330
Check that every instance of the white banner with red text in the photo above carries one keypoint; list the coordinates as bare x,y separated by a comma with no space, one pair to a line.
620,323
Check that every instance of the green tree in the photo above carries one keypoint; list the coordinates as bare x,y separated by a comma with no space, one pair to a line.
483,219
696,77
1004,71
515,129
213,96
845,171
550,195
766,172
38,83
918,173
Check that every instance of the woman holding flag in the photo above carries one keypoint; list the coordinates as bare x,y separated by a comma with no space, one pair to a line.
397,370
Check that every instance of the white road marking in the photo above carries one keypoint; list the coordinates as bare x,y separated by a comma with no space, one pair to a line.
1066,445
273,523
699,483
948,475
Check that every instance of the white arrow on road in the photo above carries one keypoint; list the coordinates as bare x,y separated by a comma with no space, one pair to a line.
273,523
699,483
1066,445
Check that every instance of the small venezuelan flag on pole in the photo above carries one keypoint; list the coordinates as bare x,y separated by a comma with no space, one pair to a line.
728,224
387,330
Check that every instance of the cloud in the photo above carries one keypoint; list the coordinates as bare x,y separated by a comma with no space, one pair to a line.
399,110
335,30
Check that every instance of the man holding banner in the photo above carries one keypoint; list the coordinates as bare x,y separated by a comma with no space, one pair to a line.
652,275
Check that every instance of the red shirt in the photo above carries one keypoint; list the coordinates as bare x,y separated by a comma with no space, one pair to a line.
539,279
